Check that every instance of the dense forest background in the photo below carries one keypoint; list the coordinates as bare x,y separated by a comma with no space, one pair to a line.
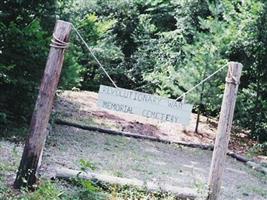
154,46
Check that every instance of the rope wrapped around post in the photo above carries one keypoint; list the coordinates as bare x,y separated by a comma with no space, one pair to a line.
57,43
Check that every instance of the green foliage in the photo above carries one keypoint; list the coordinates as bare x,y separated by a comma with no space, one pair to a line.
85,165
87,188
206,36
259,149
71,72
130,193
88,185
24,45
97,34
46,190
22,54
3,118
161,46
5,191
23,51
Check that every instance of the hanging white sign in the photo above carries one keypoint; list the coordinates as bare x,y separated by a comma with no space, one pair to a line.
146,105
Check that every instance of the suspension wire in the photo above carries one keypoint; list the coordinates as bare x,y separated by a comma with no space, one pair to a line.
114,84
207,78
92,53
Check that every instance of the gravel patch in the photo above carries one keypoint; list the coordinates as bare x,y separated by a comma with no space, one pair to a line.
148,161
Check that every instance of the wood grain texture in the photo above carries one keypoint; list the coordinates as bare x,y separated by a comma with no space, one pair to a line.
224,129
26,175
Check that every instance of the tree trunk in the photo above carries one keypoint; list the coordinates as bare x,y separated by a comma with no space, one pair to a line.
201,102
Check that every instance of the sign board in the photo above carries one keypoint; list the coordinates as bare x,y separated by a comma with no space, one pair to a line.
146,105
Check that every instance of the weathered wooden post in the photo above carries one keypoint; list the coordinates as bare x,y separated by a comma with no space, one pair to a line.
224,129
26,175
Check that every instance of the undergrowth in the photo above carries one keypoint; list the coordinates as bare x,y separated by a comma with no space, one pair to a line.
259,149
78,189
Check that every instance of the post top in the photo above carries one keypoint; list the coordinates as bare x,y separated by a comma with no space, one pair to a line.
234,63
63,22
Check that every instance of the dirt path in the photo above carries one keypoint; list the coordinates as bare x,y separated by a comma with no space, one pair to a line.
145,160
135,158
81,107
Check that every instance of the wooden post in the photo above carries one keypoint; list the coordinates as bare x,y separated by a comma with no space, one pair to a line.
26,175
224,129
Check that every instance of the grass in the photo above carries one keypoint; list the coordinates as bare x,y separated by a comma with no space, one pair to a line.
75,189
121,193
260,191
201,188
62,190
13,133
258,149
5,192
254,190
47,190
10,165
6,167
261,177
86,190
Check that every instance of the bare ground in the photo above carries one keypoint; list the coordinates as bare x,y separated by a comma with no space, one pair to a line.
141,159
81,107
145,160
135,158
